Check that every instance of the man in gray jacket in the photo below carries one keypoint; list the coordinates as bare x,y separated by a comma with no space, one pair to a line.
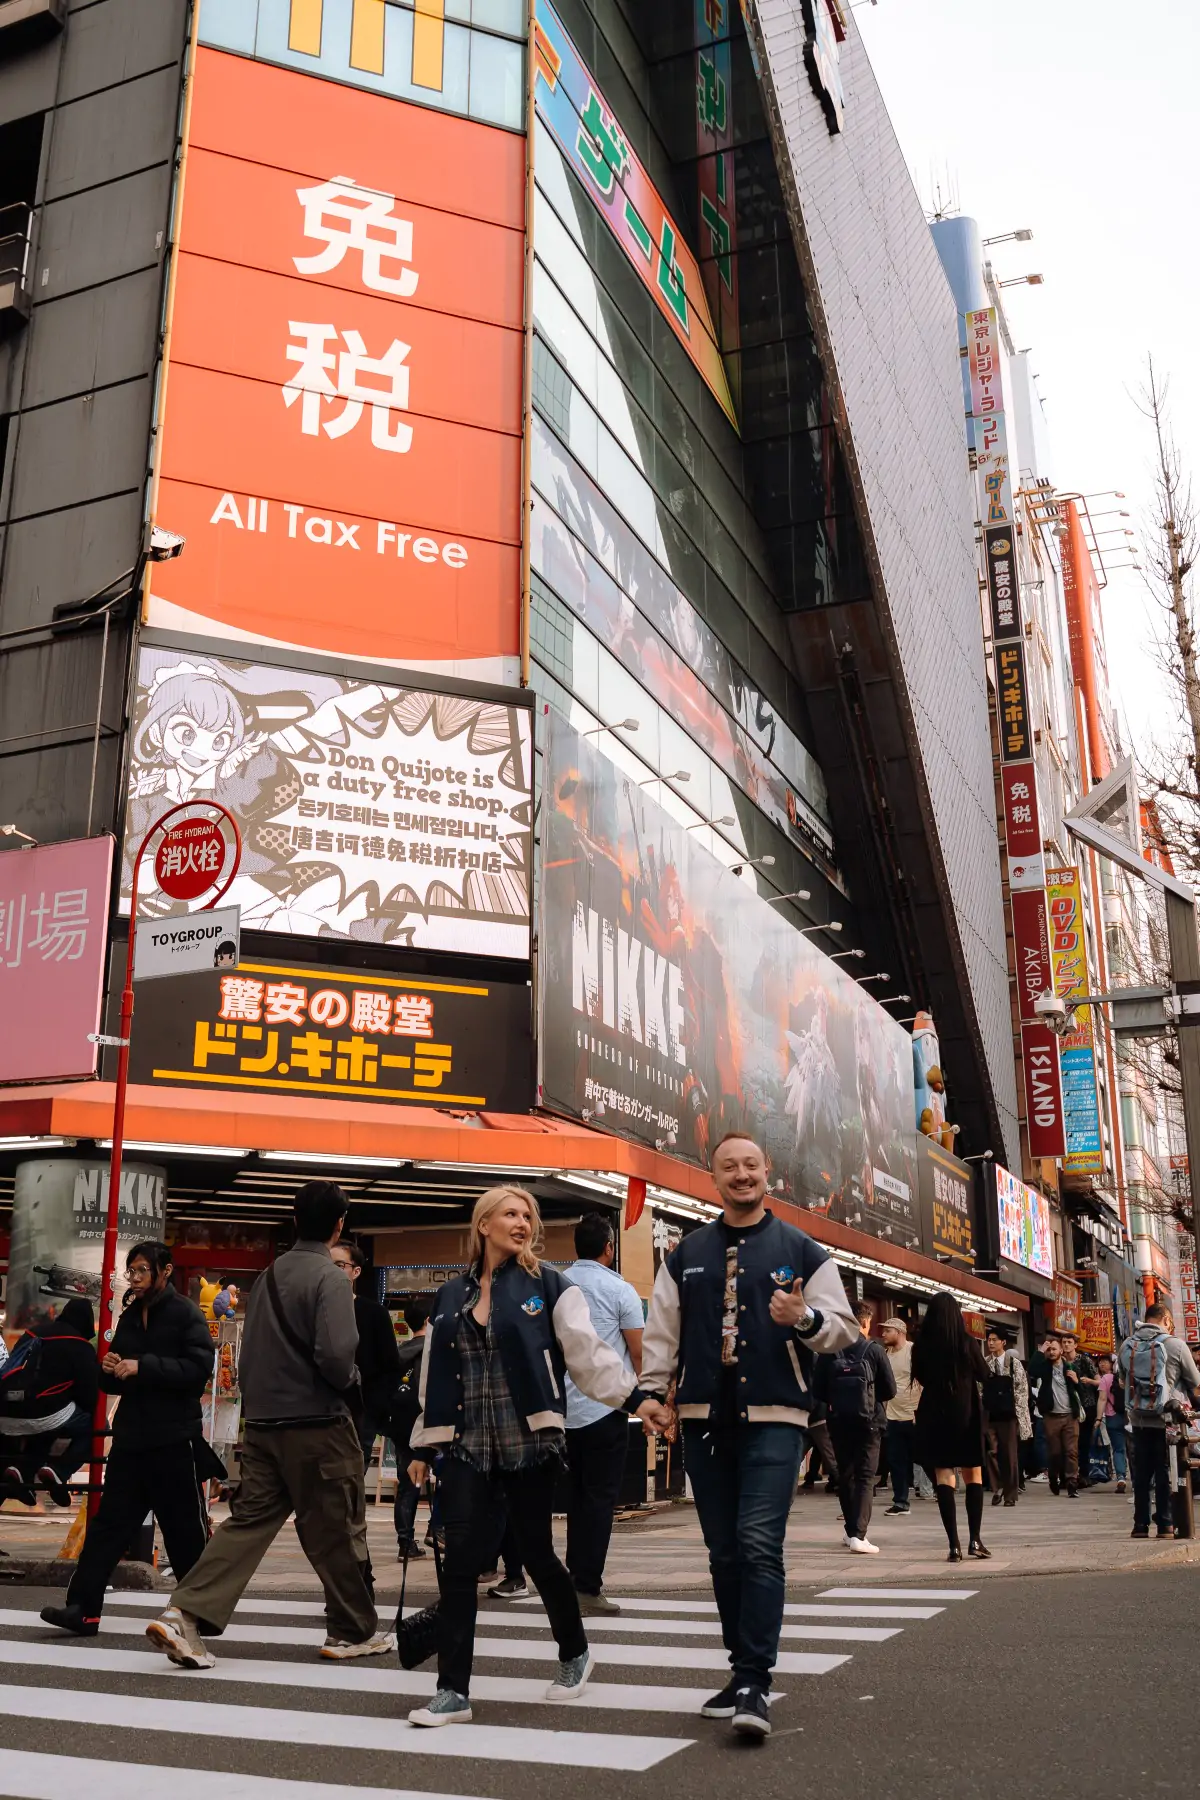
301,1451
1155,1366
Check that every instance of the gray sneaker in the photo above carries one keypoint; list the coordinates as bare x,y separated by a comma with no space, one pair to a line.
446,1708
598,1603
178,1634
573,1676
339,1650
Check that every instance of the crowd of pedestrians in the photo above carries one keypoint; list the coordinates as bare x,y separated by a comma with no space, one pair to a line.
522,1389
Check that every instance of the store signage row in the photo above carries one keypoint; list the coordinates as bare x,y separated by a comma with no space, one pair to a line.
391,814
676,1003
570,104
337,1033
1018,773
342,425
1077,1047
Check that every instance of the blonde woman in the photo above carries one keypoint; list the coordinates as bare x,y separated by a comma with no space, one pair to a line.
500,1343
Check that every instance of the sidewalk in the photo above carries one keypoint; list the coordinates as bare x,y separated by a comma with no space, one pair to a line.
1042,1535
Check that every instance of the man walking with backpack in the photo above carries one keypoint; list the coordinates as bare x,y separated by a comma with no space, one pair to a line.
739,1308
854,1384
1155,1366
301,1452
1006,1415
48,1391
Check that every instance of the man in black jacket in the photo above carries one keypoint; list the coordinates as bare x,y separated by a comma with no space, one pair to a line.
403,1414
854,1384
67,1377
160,1362
739,1308
378,1355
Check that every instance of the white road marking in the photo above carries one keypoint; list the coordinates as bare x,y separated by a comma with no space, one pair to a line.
33,1776
690,1627
870,1593
348,1678
626,1751
792,1610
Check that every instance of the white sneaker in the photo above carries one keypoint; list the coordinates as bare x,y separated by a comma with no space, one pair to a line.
1030,1478
864,1547
446,1708
177,1634
338,1650
847,1541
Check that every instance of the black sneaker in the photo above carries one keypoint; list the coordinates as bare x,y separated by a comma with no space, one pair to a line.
1140,1531
411,1552
722,1705
1165,1531
899,1510
752,1713
509,1589
70,1618
54,1485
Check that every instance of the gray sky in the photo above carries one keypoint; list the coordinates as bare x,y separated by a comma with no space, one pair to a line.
1076,118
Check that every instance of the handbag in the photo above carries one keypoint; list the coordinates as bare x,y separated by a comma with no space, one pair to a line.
417,1637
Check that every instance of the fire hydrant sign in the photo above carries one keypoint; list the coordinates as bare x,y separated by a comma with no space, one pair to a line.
189,859
202,940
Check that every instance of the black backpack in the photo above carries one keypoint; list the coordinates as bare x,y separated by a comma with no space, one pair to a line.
24,1393
852,1385
405,1407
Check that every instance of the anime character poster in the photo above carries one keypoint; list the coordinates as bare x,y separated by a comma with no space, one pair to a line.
391,815
676,1005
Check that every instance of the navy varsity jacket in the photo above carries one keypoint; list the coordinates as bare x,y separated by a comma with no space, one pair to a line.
542,1329
683,1329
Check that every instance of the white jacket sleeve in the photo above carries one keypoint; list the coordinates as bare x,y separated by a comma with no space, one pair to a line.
660,1339
593,1365
825,1294
417,1435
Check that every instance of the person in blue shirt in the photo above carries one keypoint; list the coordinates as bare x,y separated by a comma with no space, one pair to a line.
598,1436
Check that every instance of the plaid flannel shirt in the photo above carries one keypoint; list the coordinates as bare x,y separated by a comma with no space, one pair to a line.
494,1435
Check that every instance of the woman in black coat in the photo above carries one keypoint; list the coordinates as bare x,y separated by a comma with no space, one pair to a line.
949,1365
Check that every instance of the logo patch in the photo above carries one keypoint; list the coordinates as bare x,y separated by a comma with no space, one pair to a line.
783,1277
533,1306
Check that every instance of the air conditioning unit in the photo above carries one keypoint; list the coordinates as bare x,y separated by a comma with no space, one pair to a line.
27,22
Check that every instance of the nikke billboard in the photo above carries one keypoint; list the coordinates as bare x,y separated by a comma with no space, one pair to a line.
390,815
342,423
676,1004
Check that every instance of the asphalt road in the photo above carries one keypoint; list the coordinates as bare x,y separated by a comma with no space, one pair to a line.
1050,1685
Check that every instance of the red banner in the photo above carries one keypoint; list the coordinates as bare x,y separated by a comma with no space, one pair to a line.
1043,1091
1031,940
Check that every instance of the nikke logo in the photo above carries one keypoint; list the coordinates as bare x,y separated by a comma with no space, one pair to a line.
623,982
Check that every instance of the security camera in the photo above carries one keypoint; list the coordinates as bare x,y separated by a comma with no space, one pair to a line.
1055,1012
165,545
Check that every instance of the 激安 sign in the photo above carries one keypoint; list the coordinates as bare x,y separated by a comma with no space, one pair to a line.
183,946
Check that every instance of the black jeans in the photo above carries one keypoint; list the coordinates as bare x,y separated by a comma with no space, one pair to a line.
900,1436
469,1511
743,1483
33,1453
1151,1467
404,1512
1087,1431
856,1446
595,1464
166,1482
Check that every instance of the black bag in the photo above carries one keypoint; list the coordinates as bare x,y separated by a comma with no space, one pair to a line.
351,1395
405,1406
852,1385
417,1637
999,1398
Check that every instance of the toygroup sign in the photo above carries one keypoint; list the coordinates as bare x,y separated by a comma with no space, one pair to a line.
341,442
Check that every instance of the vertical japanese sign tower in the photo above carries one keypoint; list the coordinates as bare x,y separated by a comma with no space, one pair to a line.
1018,774
341,435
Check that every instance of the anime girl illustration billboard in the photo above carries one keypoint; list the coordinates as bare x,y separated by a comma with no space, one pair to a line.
388,814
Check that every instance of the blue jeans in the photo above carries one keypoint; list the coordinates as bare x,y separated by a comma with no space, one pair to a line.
1116,1437
900,1434
743,1485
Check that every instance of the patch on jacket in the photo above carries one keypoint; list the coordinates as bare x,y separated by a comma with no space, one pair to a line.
533,1306
784,1276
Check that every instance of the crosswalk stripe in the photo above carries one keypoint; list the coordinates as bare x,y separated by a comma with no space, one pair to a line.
792,1610
628,1656
299,1638
685,1627
32,1775
882,1593
627,1751
344,1678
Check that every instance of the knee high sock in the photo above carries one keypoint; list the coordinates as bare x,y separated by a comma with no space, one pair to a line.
974,1509
946,1507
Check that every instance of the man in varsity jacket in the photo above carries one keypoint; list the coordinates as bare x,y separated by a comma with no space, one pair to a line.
740,1309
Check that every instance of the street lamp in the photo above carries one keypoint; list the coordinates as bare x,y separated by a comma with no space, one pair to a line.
882,976
1023,236
800,894
892,999
984,1156
1022,281
676,775
838,954
725,819
752,862
621,725
829,925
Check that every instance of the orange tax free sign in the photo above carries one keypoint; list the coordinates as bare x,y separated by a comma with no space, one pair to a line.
341,443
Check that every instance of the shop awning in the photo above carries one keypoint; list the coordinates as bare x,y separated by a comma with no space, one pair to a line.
508,1143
